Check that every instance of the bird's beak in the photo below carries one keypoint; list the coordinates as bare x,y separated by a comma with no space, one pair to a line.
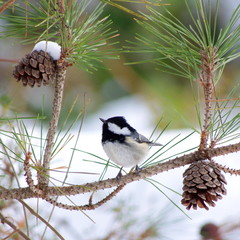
103,120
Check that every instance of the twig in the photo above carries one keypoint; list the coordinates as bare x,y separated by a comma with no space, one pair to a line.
9,235
226,169
41,219
61,6
13,226
28,175
57,103
206,78
24,193
6,5
17,180
89,206
38,216
41,194
9,60
62,70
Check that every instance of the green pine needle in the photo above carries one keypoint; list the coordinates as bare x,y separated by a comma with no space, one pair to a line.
84,33
177,47
156,185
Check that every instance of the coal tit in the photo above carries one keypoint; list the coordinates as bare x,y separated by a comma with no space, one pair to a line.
123,144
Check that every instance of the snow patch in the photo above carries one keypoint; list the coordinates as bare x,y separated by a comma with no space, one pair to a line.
52,48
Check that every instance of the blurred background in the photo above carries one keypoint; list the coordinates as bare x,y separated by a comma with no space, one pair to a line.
143,94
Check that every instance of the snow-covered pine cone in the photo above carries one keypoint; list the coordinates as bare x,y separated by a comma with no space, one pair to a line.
203,183
37,67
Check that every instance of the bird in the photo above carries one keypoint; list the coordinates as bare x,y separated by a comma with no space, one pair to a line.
123,144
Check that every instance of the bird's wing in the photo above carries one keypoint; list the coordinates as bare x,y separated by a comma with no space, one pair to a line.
142,139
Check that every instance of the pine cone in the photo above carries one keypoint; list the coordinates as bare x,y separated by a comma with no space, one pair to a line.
203,183
35,67
210,231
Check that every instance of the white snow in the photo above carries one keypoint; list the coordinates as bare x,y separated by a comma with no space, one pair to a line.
52,48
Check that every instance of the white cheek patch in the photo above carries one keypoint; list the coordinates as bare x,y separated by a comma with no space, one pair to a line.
117,130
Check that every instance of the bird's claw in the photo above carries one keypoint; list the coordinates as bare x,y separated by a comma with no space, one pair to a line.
137,169
119,176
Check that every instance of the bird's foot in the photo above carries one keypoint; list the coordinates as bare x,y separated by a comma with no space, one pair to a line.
137,169
119,176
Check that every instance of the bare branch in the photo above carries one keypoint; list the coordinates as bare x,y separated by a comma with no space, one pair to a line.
227,169
57,104
7,60
13,226
206,79
89,206
23,193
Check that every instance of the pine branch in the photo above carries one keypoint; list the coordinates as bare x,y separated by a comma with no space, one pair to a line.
226,169
57,104
24,193
207,81
42,194
177,47
89,206
85,37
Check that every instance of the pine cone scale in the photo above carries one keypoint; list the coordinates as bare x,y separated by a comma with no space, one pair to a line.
33,63
20,70
25,61
28,70
206,177
40,58
201,186
197,180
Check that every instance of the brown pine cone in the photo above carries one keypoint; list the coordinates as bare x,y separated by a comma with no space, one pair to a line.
210,231
35,67
203,183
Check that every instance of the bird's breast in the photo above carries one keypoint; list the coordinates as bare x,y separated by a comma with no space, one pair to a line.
126,154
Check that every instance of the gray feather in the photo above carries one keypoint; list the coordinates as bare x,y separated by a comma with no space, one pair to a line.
142,139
